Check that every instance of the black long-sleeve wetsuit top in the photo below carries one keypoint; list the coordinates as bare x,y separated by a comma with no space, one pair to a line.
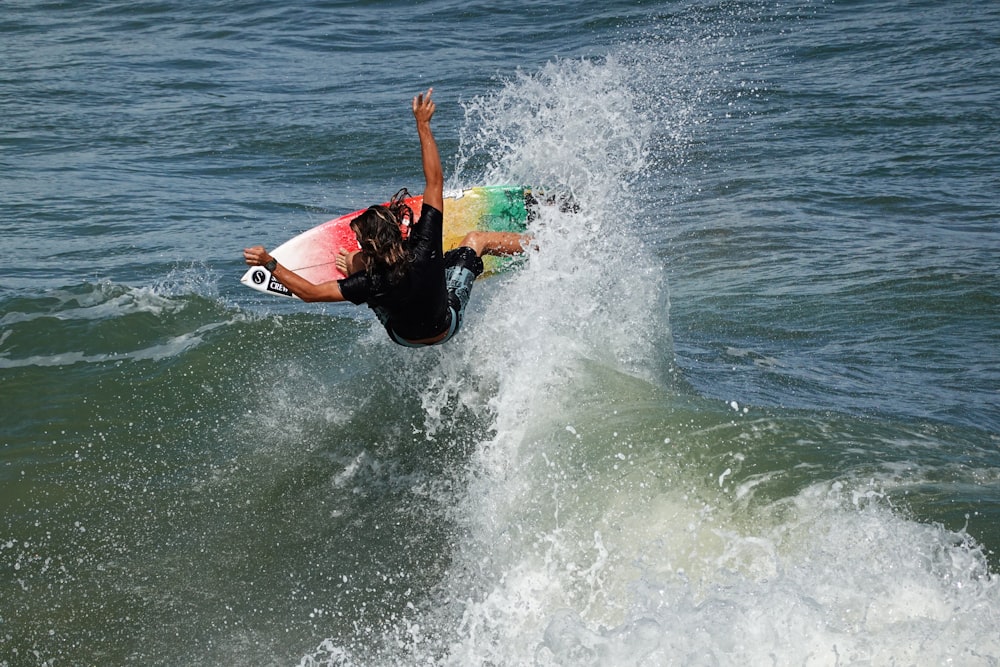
417,306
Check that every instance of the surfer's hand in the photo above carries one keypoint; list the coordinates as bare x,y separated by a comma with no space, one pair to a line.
349,261
342,260
423,106
256,256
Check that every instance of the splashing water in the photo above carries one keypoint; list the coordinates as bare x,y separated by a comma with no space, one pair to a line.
606,518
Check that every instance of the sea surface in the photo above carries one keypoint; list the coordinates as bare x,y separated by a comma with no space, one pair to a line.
741,408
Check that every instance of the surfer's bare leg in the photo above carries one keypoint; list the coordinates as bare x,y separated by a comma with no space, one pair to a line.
350,262
497,243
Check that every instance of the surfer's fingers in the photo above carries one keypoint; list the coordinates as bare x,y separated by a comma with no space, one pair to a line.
423,100
254,255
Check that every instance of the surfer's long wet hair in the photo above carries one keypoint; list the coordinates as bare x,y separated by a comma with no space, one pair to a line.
379,232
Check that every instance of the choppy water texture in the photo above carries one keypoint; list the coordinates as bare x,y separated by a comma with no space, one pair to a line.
741,409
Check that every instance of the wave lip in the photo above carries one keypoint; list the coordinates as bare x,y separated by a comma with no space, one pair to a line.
99,324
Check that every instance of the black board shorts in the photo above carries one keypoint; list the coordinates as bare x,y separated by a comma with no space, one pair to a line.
461,268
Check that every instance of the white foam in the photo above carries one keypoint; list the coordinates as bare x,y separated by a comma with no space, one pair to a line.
571,564
111,303
171,348
667,582
102,302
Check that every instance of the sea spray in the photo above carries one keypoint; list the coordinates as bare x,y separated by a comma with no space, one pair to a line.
588,293
607,514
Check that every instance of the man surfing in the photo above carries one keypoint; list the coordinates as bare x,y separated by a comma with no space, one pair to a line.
418,292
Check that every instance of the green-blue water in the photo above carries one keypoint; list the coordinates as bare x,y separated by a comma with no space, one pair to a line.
742,409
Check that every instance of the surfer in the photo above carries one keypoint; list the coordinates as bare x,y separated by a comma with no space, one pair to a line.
418,292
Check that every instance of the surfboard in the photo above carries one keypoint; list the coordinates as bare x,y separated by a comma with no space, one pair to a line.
311,254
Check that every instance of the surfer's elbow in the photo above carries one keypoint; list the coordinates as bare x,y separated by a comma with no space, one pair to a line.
434,178
317,293
311,296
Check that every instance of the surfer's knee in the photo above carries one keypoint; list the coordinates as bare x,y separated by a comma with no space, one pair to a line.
476,241
463,258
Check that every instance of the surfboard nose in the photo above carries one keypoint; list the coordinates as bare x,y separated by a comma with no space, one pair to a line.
256,277
260,279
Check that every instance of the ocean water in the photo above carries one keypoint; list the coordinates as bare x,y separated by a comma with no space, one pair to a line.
742,408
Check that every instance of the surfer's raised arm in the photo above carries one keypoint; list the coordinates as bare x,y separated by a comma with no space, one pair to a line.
423,109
